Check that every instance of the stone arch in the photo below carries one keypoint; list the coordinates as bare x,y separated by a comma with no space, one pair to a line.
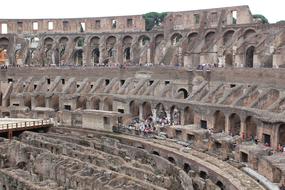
175,38
229,59
188,116
227,37
134,108
155,153
95,103
191,38
108,104
95,46
79,41
249,33
249,56
81,103
281,134
186,167
55,102
62,48
171,159
219,122
146,110
28,101
78,57
4,44
251,127
184,92
143,40
160,111
209,36
110,47
175,115
235,123
158,39
40,101
127,45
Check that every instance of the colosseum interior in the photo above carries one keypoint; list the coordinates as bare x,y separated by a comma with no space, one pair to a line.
196,103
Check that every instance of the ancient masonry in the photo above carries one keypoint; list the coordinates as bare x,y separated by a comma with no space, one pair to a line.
210,81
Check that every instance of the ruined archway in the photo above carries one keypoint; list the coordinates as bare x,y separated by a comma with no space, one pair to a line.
143,40
108,104
249,56
134,108
28,101
175,38
281,134
127,46
95,45
40,101
209,37
4,58
251,127
160,112
95,103
183,92
234,122
111,51
175,115
229,60
78,57
249,33
55,102
227,38
219,122
146,110
81,103
79,42
191,38
61,50
188,116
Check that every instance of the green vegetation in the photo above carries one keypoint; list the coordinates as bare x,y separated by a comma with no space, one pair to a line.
280,22
153,19
260,17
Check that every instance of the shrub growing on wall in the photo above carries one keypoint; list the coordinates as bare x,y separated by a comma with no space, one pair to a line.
153,19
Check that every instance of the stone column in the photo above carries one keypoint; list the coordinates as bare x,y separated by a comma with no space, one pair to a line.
141,112
243,130
227,125
154,115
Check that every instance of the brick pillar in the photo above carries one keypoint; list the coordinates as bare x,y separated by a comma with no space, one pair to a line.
227,125
141,112
242,130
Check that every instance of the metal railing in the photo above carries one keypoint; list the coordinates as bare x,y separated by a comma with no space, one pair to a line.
25,124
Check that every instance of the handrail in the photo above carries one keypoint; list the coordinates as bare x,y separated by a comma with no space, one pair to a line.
25,124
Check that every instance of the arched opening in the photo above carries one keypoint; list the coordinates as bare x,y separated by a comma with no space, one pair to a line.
40,101
251,128
219,122
171,159
144,40
203,175
4,58
146,110
78,57
160,113
281,135
158,39
134,109
183,92
28,101
249,33
61,50
110,47
249,56
95,55
175,38
209,37
127,44
186,167
95,103
108,104
229,60
48,43
188,116
191,38
234,121
155,153
127,54
227,38
55,102
81,103
175,115
79,41
220,185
